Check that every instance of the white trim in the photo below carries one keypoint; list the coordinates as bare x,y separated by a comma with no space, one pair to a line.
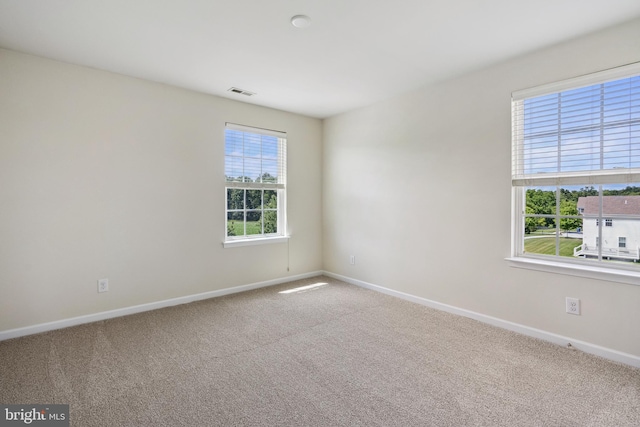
578,270
607,353
254,241
616,73
253,129
89,318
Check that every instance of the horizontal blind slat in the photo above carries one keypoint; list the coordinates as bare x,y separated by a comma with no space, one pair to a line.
582,131
613,177
255,155
253,185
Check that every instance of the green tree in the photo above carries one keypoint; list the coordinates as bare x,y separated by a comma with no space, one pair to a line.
584,192
270,212
254,204
235,198
531,224
568,207
231,231
541,202
628,191
267,177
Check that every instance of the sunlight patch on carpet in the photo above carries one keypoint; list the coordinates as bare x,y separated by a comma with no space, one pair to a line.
303,288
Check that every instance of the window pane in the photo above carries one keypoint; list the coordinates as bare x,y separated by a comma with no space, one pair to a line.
620,200
584,129
573,202
235,224
254,222
233,143
544,244
569,197
252,169
540,201
571,237
233,168
621,243
254,199
235,198
270,170
270,199
270,221
621,222
269,147
580,151
252,145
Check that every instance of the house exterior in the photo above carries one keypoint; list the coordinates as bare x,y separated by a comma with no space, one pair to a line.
616,233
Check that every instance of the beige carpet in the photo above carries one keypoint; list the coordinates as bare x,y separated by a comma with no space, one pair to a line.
334,355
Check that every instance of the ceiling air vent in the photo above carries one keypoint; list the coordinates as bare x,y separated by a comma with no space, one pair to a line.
240,91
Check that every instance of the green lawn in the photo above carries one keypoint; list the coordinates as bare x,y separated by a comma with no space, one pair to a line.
253,227
542,231
547,245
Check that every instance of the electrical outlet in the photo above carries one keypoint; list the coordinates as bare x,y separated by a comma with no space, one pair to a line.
103,285
352,259
573,305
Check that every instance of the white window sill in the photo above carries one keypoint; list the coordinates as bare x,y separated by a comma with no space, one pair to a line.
254,241
579,270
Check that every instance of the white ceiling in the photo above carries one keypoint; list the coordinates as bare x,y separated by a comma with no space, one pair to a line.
355,52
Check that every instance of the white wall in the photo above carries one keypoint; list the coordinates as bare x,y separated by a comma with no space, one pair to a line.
103,175
418,189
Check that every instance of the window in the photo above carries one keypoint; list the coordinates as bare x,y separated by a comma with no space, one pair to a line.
575,162
255,191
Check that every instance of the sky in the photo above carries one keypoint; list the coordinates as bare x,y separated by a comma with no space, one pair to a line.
250,154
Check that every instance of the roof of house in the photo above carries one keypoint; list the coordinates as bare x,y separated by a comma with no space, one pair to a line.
611,205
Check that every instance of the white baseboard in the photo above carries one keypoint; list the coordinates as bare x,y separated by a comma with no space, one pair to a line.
617,356
607,353
65,323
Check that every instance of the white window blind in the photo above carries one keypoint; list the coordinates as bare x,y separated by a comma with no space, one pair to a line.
580,131
255,158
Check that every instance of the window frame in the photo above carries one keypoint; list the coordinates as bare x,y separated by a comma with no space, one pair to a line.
556,263
622,242
279,186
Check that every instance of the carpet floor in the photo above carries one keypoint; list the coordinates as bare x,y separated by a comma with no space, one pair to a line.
329,355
